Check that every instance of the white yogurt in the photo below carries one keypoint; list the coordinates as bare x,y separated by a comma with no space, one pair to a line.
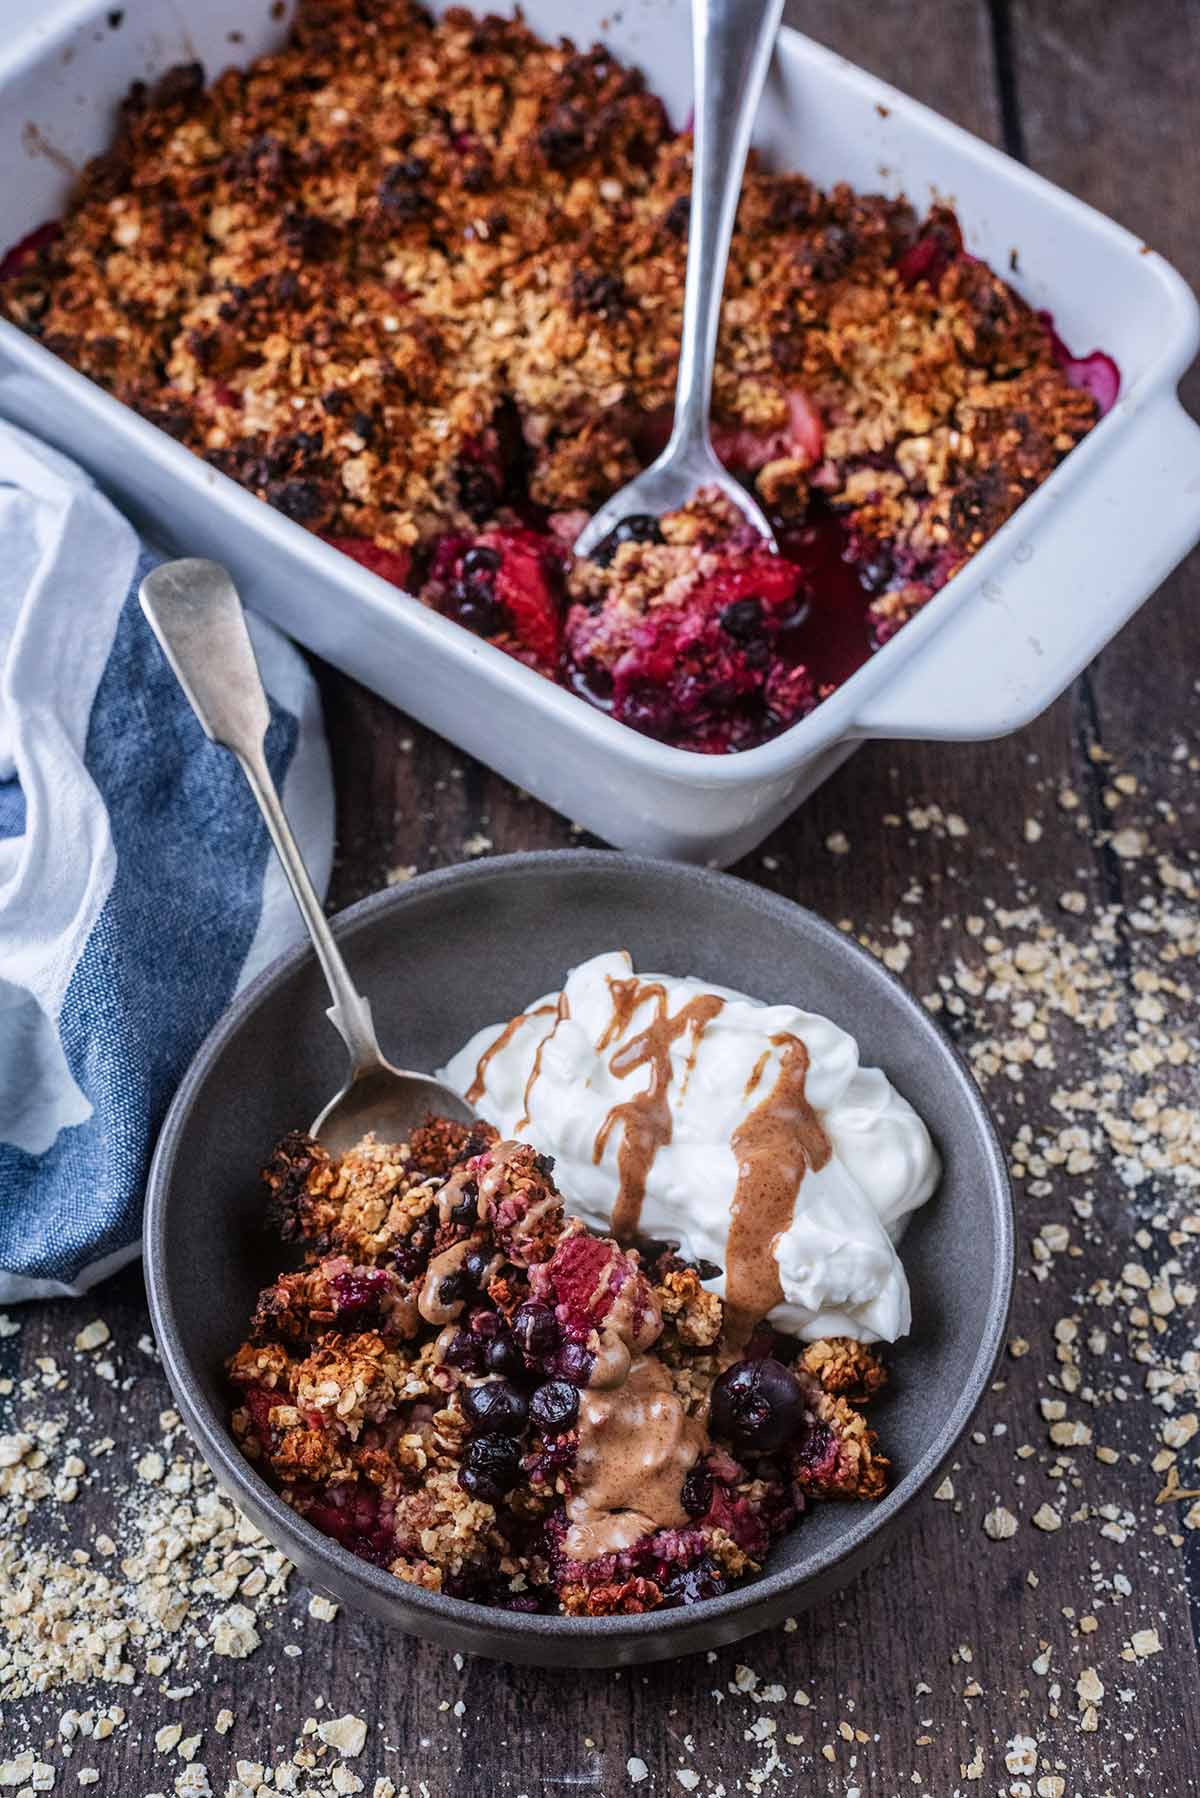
838,1268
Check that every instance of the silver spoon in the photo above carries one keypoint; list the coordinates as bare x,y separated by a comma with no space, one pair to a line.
194,611
732,42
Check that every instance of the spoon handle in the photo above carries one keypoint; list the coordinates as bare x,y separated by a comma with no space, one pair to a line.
732,42
194,610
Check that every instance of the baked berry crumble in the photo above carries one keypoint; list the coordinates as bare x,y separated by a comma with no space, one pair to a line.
685,627
418,285
465,1386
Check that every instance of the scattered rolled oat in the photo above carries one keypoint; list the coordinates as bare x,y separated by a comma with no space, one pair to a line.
1089,1688
233,1632
1000,1524
1129,844
93,1335
1022,1755
347,1734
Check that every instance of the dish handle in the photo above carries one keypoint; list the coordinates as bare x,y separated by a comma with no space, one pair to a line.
1010,648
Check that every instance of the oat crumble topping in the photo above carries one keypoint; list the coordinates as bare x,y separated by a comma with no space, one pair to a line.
420,1388
419,285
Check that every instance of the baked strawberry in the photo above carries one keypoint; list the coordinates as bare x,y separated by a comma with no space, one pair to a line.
504,584
395,565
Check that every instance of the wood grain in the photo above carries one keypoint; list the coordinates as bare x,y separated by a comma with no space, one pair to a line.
1104,99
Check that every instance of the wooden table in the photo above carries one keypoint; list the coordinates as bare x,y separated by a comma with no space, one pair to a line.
947,1652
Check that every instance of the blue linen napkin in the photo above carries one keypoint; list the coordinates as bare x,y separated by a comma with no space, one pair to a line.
138,891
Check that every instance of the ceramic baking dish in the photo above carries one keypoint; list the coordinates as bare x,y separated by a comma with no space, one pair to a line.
1000,641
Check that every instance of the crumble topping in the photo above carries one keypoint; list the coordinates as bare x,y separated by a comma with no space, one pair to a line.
478,1394
418,285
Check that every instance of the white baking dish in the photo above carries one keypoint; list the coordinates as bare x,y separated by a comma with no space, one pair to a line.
995,646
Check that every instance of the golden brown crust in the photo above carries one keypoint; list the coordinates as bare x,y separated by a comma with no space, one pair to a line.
845,1366
369,303
696,1315
855,1468
628,1598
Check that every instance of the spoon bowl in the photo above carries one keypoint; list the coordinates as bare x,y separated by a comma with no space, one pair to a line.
732,41
449,952
388,1102
194,610
672,479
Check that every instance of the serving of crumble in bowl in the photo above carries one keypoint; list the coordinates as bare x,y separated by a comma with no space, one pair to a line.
413,1368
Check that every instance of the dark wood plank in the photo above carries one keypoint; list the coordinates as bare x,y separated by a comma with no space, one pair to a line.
887,1657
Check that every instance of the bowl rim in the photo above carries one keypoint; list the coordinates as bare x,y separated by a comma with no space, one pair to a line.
211,1434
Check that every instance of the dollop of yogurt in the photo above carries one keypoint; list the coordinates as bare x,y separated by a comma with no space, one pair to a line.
704,1074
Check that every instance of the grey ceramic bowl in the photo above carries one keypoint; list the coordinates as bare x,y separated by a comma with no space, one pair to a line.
452,951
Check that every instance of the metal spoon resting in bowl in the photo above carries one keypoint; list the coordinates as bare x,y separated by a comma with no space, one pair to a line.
732,42
194,611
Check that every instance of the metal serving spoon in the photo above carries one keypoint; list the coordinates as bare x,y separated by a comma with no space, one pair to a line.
194,611
732,42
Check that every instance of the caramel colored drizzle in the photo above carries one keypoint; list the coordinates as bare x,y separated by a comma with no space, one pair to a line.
430,1303
636,1440
647,1116
562,1010
474,1092
775,1146
756,1073
636,1444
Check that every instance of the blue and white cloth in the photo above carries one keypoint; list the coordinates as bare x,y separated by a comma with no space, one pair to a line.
138,890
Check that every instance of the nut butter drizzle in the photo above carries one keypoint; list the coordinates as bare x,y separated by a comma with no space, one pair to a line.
774,1146
636,1440
474,1092
756,1073
433,1308
647,1116
562,1010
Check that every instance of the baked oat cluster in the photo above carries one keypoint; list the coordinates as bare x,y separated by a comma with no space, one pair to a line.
465,1386
418,285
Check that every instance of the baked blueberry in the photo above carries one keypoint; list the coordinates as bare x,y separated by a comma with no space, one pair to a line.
757,1406
495,1408
554,1406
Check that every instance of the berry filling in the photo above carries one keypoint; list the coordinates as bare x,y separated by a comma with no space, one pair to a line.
1096,373
688,634
506,585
